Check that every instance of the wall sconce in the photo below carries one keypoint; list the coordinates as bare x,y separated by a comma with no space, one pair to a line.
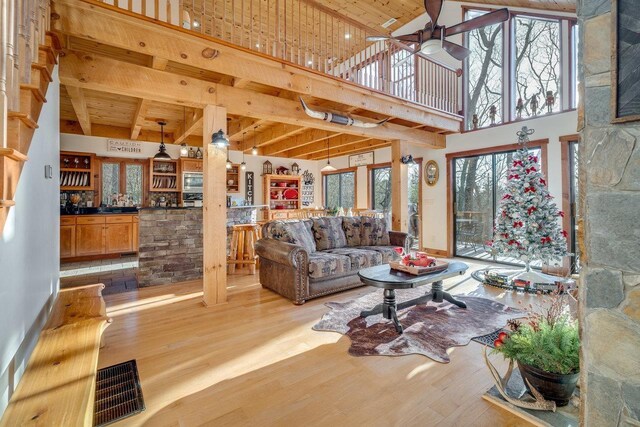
407,160
219,139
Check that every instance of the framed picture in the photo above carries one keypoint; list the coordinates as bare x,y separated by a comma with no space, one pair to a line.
625,61
431,173
362,159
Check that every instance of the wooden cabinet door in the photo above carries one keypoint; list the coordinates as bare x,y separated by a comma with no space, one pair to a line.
89,239
135,236
67,241
119,238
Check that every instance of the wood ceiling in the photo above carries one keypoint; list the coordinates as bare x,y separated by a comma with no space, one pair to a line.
121,75
554,5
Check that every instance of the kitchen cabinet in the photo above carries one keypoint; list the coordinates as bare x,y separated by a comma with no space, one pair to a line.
282,195
136,234
94,235
191,165
67,241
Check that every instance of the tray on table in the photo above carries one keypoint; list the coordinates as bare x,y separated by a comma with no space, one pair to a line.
418,271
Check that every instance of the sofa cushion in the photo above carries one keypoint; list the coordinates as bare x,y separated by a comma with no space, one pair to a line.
373,231
388,253
295,232
324,265
351,227
360,258
328,233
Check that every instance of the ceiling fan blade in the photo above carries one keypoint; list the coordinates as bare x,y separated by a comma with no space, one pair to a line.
455,50
482,21
433,8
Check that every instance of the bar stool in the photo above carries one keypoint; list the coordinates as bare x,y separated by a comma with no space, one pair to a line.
243,239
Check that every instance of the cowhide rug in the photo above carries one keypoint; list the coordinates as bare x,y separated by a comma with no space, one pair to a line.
429,329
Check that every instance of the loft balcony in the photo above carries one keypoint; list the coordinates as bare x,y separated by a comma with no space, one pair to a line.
258,57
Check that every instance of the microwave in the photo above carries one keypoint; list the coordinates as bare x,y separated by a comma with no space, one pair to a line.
192,200
192,182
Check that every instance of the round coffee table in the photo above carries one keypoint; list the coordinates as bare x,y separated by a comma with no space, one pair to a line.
382,276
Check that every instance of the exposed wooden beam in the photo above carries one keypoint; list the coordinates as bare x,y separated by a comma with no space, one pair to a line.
158,63
356,147
138,118
193,123
73,127
273,134
106,25
80,107
96,73
399,187
214,209
335,142
309,137
237,127
241,83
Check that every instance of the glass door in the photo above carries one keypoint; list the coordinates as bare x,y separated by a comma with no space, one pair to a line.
480,183
415,184
574,206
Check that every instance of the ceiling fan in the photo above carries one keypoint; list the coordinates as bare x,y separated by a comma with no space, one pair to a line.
432,37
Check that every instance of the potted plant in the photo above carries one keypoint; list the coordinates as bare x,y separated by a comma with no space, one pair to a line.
546,347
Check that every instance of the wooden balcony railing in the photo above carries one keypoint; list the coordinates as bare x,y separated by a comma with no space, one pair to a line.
306,33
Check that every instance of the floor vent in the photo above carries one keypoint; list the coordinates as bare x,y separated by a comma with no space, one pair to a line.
118,393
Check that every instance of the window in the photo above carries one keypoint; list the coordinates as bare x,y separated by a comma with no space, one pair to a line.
403,70
484,71
122,177
339,190
381,189
415,173
509,74
480,182
537,64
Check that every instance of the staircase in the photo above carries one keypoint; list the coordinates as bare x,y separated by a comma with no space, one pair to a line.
28,54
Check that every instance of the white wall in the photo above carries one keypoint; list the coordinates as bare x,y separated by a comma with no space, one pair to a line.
98,145
29,249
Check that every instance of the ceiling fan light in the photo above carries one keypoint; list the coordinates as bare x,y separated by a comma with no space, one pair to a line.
431,46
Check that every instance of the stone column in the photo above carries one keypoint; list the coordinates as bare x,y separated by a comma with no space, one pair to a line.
609,236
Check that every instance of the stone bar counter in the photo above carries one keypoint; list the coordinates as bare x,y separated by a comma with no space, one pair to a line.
171,242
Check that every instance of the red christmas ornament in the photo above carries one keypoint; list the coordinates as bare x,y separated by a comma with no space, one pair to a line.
533,159
531,189
517,224
542,181
506,196
517,163
531,210
516,176
561,214
545,240
564,233
531,169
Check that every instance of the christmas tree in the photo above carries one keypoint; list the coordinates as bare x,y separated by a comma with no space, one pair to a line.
526,225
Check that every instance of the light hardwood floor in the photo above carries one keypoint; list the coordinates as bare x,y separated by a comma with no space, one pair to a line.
255,361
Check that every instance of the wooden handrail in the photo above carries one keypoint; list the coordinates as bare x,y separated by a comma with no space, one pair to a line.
308,34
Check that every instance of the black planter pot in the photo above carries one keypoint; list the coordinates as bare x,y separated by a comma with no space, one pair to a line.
556,387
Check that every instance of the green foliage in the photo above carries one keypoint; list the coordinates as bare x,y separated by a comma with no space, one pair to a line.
553,347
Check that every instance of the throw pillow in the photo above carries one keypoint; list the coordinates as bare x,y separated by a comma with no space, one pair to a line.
295,232
328,233
351,227
373,232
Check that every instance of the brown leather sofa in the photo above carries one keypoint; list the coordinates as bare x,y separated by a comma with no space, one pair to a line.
309,258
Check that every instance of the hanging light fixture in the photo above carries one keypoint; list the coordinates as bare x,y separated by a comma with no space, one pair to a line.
229,164
328,167
219,139
407,160
243,165
254,150
162,152
184,152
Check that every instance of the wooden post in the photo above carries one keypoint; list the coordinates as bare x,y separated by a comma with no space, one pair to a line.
214,210
399,187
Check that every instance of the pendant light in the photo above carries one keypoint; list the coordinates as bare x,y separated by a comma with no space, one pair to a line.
184,152
328,167
254,150
243,165
162,152
229,164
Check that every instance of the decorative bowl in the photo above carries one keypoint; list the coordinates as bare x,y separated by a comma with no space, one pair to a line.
282,184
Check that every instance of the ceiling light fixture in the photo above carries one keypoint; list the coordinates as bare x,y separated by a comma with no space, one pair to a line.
162,151
243,165
328,167
184,152
347,36
254,149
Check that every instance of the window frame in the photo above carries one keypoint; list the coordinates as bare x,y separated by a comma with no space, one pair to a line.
340,172
509,79
123,162
370,187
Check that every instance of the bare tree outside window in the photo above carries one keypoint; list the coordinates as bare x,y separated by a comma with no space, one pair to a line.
381,189
484,71
339,190
537,63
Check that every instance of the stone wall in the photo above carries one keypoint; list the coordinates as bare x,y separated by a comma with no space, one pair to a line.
610,203
170,245
171,242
